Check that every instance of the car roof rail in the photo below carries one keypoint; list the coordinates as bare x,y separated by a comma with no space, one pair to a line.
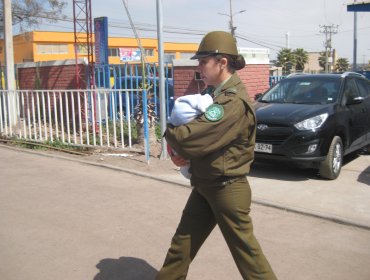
348,73
296,74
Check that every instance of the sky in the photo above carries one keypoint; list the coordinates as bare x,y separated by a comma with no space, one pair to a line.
264,24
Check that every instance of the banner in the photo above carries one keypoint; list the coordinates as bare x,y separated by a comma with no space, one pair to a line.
129,54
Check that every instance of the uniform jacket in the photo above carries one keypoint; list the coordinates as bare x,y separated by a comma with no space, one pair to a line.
222,149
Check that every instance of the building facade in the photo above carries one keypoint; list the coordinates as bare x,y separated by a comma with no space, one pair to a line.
37,46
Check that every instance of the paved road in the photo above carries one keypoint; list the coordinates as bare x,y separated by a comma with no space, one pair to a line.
66,220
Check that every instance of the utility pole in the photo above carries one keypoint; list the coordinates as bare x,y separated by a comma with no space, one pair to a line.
232,28
287,42
9,61
162,95
354,67
328,30
231,22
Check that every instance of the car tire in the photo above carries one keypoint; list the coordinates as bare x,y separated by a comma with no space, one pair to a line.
331,166
367,149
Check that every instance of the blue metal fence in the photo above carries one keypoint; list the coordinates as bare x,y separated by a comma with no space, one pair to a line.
275,79
129,76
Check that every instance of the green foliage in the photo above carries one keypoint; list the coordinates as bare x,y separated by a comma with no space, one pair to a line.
286,60
30,13
289,60
27,145
301,58
322,59
341,65
158,131
45,145
110,129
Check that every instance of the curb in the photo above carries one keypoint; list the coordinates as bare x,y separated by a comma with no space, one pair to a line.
271,204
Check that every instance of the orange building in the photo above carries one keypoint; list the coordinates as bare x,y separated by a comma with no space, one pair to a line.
38,46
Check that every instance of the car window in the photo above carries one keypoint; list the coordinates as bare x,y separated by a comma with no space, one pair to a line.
350,90
305,90
364,87
277,93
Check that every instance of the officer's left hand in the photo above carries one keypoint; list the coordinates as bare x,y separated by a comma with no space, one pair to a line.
179,160
176,159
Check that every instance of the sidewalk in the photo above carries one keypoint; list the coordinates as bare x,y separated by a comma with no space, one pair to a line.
344,200
67,218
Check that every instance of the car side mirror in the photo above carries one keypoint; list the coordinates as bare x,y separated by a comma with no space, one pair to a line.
257,96
355,100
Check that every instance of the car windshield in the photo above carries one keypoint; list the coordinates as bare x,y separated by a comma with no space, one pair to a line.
304,90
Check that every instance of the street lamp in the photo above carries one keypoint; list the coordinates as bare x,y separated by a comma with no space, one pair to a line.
231,15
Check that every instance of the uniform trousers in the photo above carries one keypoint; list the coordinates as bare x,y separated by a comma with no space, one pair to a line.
228,207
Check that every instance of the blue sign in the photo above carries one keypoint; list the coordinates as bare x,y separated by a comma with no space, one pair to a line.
101,40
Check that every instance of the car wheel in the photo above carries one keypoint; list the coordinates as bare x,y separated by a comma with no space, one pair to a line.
331,166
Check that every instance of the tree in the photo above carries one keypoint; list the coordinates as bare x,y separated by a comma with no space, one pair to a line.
30,13
301,58
341,65
322,60
286,60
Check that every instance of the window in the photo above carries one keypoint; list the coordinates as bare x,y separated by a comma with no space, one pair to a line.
364,87
52,49
113,52
350,90
82,49
168,57
149,52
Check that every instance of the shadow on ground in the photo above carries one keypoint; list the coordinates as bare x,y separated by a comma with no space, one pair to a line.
286,171
125,268
281,171
364,176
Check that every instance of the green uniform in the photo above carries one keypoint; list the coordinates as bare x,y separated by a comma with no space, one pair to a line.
220,147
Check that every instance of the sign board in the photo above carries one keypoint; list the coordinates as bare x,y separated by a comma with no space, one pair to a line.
101,40
129,54
255,55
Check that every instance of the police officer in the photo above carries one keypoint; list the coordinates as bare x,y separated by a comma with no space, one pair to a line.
220,147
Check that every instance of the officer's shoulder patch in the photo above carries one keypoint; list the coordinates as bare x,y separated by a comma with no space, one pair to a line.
214,113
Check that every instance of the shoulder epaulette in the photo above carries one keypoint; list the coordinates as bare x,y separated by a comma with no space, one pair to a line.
232,90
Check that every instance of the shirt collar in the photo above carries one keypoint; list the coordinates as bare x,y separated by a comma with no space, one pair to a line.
218,89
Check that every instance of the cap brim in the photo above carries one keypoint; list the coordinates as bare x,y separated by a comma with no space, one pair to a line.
200,55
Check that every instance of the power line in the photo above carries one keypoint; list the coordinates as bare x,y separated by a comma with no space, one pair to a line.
256,43
147,27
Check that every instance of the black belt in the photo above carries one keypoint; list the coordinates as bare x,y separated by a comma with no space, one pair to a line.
229,180
222,181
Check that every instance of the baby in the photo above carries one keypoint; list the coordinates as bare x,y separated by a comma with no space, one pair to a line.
185,109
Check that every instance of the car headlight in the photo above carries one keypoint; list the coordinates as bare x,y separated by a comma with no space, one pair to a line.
312,123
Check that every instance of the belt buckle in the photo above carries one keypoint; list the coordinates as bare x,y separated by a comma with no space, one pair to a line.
225,183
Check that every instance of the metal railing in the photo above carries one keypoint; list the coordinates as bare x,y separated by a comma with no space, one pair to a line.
275,79
98,117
